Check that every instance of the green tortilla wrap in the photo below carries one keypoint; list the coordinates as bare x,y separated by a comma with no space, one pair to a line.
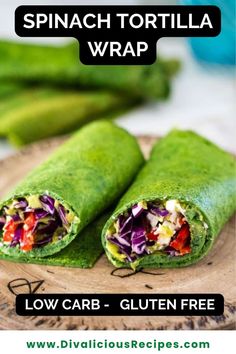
13,98
22,62
40,113
82,252
176,207
68,191
9,89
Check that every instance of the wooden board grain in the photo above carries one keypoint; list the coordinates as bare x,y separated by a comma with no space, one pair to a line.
214,274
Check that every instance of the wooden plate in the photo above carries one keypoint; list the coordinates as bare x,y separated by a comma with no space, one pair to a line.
214,274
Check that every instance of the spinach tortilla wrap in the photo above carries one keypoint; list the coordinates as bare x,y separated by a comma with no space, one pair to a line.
25,63
176,207
68,191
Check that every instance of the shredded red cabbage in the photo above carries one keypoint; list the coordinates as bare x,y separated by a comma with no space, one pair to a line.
48,203
158,211
20,204
2,222
137,210
170,251
136,234
44,241
40,213
41,223
17,236
138,239
62,214
16,217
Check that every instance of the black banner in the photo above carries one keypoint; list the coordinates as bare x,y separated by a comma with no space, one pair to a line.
119,305
117,34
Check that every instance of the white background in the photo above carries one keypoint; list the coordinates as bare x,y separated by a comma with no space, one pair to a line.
220,341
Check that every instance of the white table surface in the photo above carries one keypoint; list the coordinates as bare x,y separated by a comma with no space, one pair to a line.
202,99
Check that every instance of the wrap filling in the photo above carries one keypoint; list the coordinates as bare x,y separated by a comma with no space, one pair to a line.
150,227
34,221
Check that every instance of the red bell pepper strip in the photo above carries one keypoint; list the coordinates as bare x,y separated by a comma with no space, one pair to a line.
182,238
9,230
27,238
152,237
185,250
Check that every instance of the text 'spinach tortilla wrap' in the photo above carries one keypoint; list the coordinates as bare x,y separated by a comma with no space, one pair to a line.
176,207
82,252
68,191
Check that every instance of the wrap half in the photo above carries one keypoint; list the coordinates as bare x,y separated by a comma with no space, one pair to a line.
176,207
68,191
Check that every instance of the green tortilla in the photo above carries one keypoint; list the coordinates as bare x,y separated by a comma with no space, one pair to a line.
9,89
82,252
86,175
40,113
22,62
190,169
